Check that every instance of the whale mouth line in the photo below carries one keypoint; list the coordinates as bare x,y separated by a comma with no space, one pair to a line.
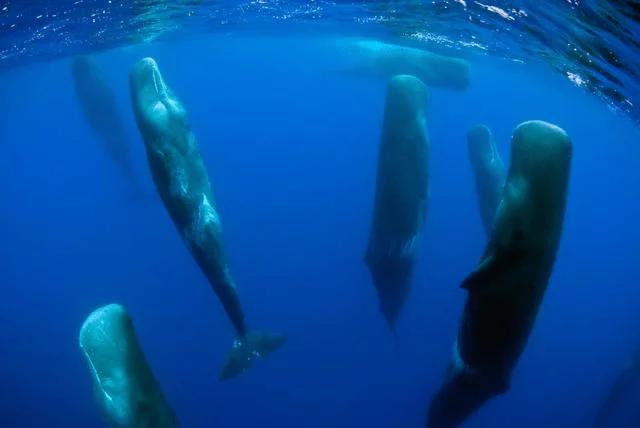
152,73
98,376
158,82
98,379
149,84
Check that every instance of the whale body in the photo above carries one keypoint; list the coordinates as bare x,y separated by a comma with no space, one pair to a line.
400,203
182,181
368,57
488,172
506,289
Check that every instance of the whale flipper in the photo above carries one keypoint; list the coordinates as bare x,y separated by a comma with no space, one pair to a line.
481,275
247,350
493,268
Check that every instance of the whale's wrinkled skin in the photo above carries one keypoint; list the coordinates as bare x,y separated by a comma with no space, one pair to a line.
182,181
368,57
100,108
507,288
488,171
400,203
124,386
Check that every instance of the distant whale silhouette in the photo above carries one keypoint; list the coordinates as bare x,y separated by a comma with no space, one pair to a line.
488,172
124,385
180,176
368,57
622,386
507,288
101,111
400,204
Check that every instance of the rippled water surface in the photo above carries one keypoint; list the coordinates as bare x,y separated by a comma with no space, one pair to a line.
594,43
289,105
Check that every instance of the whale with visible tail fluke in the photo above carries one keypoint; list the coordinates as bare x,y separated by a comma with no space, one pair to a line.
182,181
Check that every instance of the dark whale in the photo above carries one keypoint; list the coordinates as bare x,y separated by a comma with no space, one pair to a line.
124,386
101,111
488,171
181,179
507,288
400,203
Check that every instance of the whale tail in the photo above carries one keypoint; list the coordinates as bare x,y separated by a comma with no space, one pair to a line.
247,349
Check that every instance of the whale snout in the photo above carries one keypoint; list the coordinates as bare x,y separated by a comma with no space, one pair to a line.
148,92
406,94
479,140
99,332
541,149
146,75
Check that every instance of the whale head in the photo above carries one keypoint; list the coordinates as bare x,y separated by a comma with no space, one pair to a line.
104,340
536,190
158,112
541,154
124,386
480,142
406,99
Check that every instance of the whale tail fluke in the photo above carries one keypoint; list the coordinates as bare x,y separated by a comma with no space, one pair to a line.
246,350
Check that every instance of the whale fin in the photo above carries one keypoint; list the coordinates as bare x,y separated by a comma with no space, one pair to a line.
246,350
480,275
491,269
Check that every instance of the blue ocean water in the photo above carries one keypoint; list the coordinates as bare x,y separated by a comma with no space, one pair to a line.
290,144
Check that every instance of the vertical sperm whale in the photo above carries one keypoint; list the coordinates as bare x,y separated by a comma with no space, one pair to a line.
182,181
506,289
488,171
400,203
124,385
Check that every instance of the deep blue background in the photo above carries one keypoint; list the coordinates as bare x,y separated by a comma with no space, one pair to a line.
291,148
